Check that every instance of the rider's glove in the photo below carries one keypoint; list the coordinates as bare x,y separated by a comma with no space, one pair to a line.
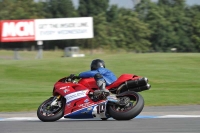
74,76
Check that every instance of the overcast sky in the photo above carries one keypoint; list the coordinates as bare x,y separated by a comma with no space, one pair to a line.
129,3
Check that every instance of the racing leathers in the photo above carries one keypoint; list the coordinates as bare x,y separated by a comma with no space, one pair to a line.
102,76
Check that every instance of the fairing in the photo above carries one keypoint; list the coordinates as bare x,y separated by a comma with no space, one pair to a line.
89,110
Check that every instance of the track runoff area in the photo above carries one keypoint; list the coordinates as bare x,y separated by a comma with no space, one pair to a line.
138,117
152,112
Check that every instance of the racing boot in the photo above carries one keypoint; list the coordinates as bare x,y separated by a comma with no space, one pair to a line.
101,94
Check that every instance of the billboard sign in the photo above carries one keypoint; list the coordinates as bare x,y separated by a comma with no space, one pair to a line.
46,29
64,28
17,30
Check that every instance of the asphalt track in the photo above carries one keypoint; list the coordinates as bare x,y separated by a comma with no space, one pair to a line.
166,119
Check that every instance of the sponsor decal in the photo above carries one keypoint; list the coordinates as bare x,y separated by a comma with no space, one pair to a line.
65,89
17,30
85,104
75,95
68,105
86,100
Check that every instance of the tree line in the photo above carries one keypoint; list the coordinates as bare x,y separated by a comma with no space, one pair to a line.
148,27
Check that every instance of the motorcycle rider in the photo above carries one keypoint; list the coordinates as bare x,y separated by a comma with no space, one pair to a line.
102,76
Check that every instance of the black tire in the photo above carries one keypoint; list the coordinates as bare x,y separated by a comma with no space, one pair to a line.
129,113
104,119
55,115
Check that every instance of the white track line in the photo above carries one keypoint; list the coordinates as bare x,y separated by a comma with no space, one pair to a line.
180,116
138,117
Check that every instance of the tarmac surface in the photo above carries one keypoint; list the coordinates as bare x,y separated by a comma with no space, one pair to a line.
154,110
164,119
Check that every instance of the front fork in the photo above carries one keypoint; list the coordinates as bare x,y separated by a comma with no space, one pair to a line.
55,100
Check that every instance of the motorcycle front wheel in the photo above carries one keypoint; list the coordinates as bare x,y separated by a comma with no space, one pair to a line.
48,113
130,110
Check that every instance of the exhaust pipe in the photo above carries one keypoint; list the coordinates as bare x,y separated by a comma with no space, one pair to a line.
142,88
136,83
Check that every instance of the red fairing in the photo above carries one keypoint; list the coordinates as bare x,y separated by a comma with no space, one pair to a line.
123,78
84,86
67,87
88,82
63,88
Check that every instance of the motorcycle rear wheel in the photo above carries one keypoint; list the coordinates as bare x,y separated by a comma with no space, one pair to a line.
131,110
46,113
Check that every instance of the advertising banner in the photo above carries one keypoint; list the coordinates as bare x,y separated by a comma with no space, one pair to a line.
46,29
64,28
17,30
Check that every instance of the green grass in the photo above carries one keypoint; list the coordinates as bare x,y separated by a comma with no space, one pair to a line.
25,83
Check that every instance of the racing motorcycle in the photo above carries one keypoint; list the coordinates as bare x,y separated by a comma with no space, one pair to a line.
75,98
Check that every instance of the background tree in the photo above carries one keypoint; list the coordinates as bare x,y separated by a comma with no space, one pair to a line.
59,9
92,7
131,33
177,36
194,14
151,14
169,24
112,13
96,9
18,9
